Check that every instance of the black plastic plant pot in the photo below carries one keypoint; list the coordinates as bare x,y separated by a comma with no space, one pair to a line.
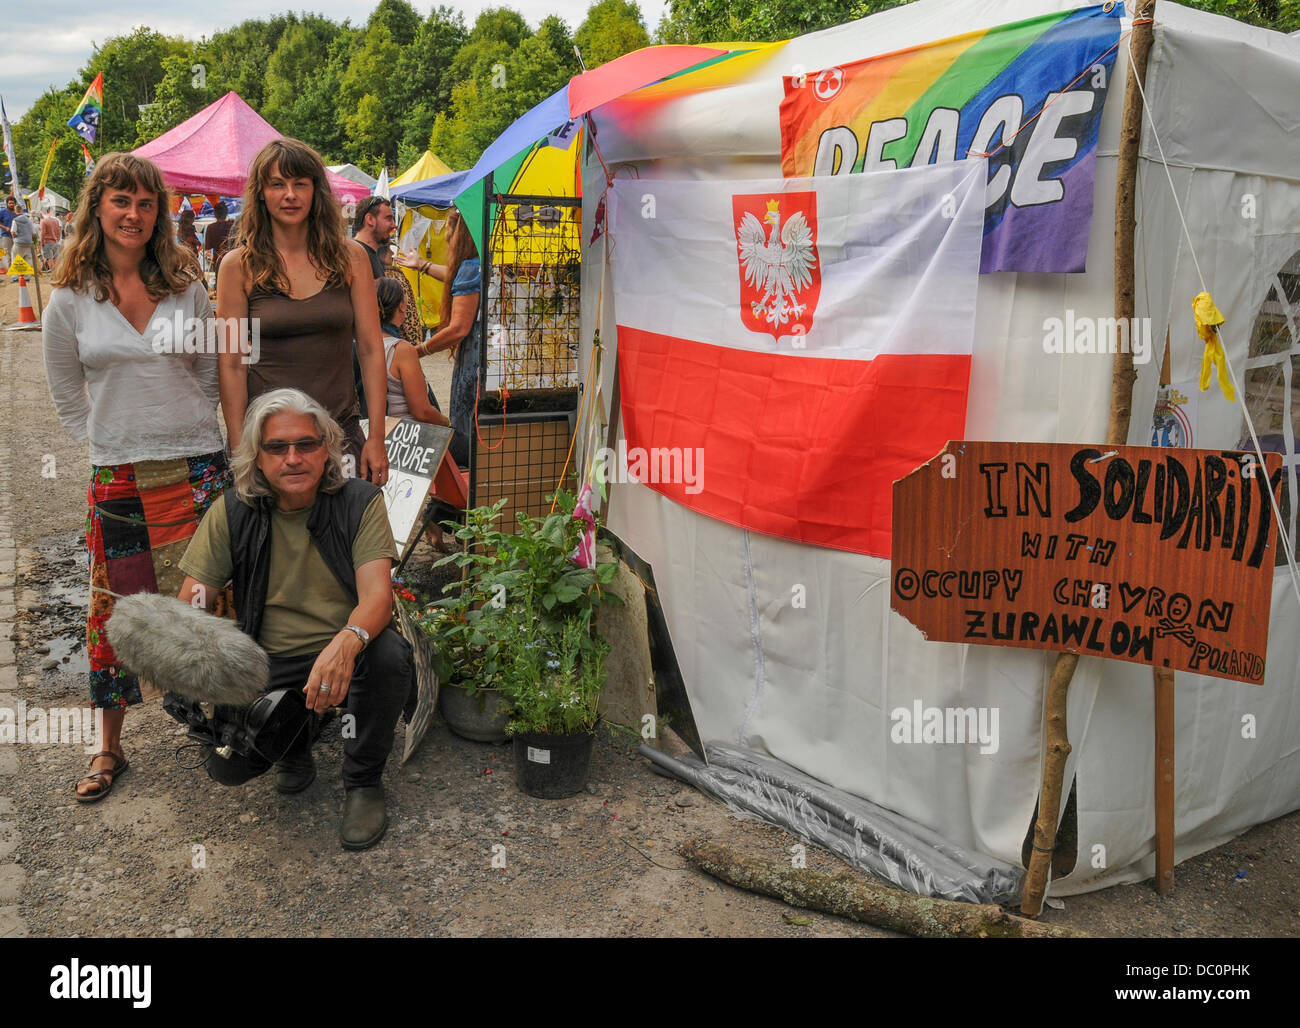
551,767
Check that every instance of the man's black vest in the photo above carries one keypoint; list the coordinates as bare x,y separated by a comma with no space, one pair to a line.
333,524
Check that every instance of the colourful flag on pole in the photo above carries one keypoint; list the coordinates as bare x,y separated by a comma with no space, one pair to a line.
1029,94
45,173
85,119
788,348
90,161
10,162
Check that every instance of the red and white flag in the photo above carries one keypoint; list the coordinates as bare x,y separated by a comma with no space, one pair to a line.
794,346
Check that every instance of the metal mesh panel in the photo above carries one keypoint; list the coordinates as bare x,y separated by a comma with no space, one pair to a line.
530,354
522,459
532,304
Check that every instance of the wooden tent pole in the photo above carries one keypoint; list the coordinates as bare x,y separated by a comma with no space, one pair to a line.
1164,711
1056,738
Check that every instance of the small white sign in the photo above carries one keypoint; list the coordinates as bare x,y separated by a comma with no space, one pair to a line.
539,756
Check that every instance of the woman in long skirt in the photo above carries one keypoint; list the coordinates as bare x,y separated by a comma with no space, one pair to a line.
124,378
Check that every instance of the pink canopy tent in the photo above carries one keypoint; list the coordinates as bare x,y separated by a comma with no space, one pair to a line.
213,151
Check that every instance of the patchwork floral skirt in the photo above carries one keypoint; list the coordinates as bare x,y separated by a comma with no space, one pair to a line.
140,521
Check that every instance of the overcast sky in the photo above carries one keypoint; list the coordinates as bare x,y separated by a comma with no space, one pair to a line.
61,44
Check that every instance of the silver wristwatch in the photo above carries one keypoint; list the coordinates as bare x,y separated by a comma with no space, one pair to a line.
360,633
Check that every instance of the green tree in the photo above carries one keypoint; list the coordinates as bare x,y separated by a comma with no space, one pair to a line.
240,56
133,67
1282,15
497,32
503,84
758,21
479,76
303,78
611,29
425,80
543,63
182,93
368,97
45,121
399,18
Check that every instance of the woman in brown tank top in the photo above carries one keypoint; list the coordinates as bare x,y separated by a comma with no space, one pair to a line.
307,292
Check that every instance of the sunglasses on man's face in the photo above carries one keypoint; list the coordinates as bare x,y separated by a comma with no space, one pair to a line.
278,447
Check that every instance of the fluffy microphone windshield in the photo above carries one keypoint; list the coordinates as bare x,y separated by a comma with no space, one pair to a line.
186,650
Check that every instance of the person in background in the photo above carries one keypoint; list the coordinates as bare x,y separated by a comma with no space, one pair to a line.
24,230
69,228
7,214
458,330
409,395
150,417
186,233
408,390
373,228
411,328
310,291
51,233
216,237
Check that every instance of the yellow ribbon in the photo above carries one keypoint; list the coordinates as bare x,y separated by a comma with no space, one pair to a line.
1207,317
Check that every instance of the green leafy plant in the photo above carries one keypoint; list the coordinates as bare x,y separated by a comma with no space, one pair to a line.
461,624
553,680
523,615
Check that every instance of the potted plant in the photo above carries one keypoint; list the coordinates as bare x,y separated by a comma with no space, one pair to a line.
466,653
554,683
547,579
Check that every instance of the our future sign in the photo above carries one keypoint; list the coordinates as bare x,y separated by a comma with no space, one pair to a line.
1157,556
415,450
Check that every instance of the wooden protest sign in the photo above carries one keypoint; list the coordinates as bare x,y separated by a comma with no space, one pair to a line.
1151,555
415,451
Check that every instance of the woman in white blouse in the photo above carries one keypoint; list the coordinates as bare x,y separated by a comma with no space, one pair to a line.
132,368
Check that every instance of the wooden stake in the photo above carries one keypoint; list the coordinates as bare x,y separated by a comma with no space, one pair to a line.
856,896
1056,739
1164,697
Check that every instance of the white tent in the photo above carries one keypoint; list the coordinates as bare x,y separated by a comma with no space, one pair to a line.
52,199
354,174
814,687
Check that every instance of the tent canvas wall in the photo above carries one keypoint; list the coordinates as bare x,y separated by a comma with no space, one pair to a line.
814,687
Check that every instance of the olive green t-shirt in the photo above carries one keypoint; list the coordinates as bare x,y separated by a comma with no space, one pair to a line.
305,604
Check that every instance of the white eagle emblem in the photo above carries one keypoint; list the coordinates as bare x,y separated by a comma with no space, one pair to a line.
780,265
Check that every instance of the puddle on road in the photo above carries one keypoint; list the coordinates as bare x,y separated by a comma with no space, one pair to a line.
58,616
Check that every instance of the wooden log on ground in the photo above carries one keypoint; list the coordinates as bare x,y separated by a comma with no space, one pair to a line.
846,894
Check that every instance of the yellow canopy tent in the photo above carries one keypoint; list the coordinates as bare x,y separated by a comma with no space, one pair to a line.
542,171
428,166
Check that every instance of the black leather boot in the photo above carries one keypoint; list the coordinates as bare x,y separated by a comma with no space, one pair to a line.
364,818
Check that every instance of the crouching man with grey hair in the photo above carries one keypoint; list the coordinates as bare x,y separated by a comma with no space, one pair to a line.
310,554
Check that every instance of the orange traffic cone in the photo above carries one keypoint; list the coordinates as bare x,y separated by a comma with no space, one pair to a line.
26,313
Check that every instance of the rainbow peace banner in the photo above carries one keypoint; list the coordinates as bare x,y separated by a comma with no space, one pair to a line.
85,119
1028,94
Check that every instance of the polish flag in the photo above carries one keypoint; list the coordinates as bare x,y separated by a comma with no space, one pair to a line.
806,341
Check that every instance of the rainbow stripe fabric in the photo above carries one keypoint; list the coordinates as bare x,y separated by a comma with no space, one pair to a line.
85,119
1030,94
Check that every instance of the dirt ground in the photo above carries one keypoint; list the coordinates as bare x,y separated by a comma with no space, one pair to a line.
172,854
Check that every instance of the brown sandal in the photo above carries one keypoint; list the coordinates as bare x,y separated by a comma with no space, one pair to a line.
120,765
